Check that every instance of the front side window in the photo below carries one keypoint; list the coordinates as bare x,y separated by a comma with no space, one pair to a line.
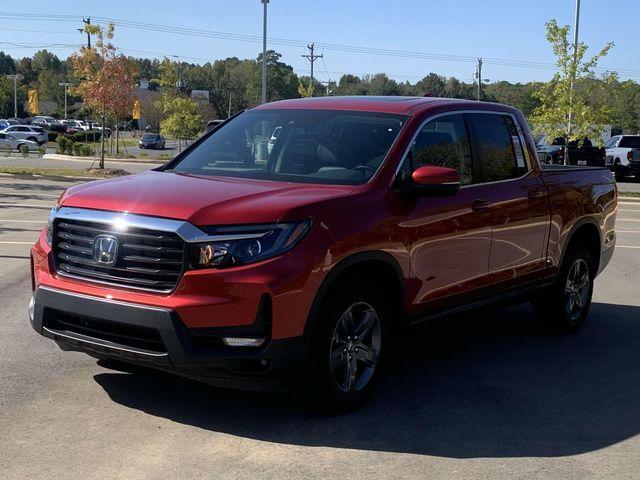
312,146
499,148
444,142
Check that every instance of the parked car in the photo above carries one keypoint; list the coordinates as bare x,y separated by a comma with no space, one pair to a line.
370,215
15,121
9,142
125,126
4,123
71,126
98,126
582,153
623,156
48,123
28,132
152,140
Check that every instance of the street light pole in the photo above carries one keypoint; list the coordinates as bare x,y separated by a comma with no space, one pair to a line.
65,85
15,77
264,51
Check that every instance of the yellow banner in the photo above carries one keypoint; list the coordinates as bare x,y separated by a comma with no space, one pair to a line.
136,110
33,102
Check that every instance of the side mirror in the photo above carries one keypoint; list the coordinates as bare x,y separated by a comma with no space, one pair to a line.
435,181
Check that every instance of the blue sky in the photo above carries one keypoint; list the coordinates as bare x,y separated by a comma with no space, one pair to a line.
493,29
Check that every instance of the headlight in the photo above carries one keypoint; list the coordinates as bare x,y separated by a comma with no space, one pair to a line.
52,215
233,246
48,236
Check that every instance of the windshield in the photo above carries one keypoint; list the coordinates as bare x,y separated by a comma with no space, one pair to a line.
313,146
630,142
148,137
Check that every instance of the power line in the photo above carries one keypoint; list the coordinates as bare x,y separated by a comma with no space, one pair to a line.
515,63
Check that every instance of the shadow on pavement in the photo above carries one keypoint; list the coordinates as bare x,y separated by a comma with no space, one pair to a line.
486,385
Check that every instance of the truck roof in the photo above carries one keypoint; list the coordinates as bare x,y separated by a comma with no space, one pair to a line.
386,104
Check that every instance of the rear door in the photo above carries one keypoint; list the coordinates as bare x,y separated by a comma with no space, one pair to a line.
519,203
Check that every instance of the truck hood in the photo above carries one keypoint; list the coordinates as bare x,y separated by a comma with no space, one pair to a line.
199,200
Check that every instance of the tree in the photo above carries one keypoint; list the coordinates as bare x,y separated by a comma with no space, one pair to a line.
566,105
182,120
107,80
7,65
305,91
152,110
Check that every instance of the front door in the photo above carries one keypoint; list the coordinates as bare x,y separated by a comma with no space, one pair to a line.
449,239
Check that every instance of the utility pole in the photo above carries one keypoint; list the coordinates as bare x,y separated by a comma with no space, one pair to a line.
573,79
229,110
86,21
312,58
264,51
65,85
479,77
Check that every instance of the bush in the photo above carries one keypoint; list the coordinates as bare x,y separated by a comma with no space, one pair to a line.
82,150
65,145
53,136
86,136
24,150
42,150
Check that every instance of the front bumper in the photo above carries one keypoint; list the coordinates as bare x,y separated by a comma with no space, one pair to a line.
157,337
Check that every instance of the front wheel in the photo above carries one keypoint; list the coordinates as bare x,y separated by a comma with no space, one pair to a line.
564,306
346,350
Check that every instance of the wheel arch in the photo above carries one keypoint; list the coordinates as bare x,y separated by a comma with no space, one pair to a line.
374,261
585,232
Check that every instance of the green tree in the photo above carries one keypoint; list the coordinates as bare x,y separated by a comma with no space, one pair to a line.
182,120
7,64
564,109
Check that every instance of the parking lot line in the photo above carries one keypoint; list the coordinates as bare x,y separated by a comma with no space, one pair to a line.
627,246
11,193
30,205
22,221
628,231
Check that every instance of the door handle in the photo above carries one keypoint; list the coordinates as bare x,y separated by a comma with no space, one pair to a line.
533,194
480,205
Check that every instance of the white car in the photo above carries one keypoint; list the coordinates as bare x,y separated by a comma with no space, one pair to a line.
9,142
28,132
623,155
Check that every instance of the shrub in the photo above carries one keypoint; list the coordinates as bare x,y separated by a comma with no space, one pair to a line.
42,150
53,136
6,149
86,136
62,142
24,150
82,150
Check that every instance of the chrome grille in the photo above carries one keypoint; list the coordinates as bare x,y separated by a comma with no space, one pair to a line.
146,258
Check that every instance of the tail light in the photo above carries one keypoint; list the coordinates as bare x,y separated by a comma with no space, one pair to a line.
561,153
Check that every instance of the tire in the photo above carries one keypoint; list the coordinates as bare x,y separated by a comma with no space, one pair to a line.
19,146
549,160
563,307
620,174
346,348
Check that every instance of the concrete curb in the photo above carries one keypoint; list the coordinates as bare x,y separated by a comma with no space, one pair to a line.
622,198
54,178
69,158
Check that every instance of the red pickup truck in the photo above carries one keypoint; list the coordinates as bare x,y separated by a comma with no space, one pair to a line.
261,260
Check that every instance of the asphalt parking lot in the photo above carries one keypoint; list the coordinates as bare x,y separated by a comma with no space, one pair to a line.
482,396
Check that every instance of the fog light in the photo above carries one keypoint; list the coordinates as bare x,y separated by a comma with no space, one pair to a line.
243,341
32,308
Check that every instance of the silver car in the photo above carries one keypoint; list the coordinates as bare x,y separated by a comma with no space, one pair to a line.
28,132
9,142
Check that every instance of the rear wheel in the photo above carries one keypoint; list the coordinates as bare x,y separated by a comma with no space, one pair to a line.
346,349
564,306
620,173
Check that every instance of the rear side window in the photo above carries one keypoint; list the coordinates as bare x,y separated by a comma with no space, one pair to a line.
630,142
500,152
444,142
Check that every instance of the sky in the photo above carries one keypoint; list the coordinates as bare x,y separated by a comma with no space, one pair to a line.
445,36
